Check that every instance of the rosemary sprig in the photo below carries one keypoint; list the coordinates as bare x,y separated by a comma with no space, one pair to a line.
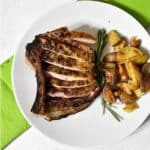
109,108
97,56
101,37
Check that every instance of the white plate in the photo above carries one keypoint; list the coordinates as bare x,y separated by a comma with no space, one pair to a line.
88,128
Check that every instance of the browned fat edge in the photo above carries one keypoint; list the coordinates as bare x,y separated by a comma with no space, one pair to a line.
39,104
34,59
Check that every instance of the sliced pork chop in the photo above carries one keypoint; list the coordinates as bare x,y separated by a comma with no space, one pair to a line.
62,48
68,73
55,110
66,62
59,83
71,92
64,34
66,83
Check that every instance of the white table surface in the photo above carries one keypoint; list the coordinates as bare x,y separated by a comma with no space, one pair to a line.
16,16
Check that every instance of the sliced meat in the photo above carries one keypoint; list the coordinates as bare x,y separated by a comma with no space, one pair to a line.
62,48
71,92
83,37
63,102
66,82
33,57
64,33
59,33
57,112
59,83
67,40
31,54
64,77
81,75
66,62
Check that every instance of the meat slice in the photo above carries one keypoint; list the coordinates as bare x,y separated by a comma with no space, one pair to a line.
66,62
59,83
68,73
62,48
64,34
57,111
33,57
83,37
71,92
66,83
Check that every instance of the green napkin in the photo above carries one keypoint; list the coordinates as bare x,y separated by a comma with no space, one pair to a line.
12,122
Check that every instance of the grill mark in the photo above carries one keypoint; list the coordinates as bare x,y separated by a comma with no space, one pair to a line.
71,93
65,49
66,62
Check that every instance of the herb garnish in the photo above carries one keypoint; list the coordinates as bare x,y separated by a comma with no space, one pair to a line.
101,41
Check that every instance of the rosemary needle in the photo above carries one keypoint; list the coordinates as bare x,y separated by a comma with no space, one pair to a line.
101,41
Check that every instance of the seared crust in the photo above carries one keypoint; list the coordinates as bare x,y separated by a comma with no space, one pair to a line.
65,61
71,92
69,108
59,83
33,56
63,48
66,83
73,73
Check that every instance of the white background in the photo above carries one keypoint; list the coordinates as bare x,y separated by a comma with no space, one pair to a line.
16,16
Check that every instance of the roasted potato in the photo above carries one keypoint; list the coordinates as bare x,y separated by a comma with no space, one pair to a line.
146,68
111,76
131,54
116,93
134,41
108,95
123,72
132,86
145,83
120,46
110,57
125,87
134,74
126,70
138,93
109,65
113,37
126,98
131,107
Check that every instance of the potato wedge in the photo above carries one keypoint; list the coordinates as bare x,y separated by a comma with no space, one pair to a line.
109,65
125,87
126,98
146,68
120,46
138,93
110,57
108,95
134,74
131,107
132,54
113,37
111,76
145,83
123,72
134,41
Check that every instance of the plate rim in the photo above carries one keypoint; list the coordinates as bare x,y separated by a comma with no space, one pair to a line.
14,62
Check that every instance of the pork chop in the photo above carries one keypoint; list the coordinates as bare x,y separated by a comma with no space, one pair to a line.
66,82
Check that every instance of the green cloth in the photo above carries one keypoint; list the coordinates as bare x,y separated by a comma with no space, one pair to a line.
12,122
